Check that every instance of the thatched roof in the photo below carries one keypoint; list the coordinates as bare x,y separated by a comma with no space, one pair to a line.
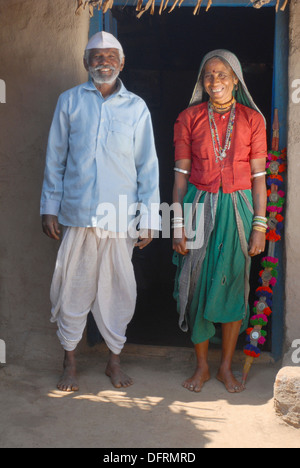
149,5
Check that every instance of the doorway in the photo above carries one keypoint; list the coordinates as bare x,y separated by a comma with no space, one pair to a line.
163,55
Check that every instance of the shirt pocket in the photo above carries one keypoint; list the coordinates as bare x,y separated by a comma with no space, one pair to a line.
120,138
201,157
242,171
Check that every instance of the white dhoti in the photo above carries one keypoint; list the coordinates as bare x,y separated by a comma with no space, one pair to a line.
93,272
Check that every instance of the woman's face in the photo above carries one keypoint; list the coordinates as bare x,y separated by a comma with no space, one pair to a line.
219,81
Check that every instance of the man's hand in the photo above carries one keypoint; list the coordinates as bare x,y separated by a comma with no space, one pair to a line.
144,239
50,226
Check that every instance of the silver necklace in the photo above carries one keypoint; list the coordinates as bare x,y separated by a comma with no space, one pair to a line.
221,153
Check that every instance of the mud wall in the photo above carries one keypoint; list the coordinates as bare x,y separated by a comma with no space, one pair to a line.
41,50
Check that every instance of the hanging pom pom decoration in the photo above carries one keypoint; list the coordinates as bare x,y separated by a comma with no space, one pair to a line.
276,164
269,273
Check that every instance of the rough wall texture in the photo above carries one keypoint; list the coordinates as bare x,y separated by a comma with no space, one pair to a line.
292,230
41,49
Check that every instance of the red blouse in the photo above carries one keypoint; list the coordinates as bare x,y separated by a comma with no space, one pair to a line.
192,139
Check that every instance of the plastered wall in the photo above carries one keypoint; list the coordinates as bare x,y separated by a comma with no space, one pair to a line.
41,49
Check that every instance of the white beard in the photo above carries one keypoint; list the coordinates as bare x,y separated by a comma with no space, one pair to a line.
99,79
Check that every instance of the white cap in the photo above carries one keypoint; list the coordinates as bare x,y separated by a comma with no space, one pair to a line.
103,40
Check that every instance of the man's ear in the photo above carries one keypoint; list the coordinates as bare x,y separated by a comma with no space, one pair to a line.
122,64
86,65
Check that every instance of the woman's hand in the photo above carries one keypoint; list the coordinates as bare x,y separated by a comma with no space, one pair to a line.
257,243
179,241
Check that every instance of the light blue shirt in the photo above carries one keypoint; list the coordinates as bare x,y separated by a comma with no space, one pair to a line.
101,161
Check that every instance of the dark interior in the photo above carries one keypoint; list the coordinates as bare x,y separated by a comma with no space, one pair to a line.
163,54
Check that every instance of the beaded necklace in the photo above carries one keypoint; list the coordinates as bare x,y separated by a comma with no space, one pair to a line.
225,106
221,153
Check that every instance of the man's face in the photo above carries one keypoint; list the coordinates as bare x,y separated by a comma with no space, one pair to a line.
104,65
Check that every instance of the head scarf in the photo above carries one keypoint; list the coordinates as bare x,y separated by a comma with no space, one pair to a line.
242,94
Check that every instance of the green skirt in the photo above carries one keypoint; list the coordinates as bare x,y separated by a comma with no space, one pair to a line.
219,295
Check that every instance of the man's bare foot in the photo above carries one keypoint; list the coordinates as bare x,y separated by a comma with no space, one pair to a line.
232,385
196,382
117,376
68,381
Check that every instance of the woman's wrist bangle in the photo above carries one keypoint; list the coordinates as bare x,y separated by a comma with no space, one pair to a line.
258,223
260,229
259,218
177,222
182,171
258,174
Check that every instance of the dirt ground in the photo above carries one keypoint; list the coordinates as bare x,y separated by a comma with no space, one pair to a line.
156,412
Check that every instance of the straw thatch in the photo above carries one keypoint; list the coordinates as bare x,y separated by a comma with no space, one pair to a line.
106,5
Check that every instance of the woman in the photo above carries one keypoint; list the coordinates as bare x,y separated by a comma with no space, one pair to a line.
220,158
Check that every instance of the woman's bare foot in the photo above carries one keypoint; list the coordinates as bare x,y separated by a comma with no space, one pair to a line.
232,385
117,376
196,382
68,381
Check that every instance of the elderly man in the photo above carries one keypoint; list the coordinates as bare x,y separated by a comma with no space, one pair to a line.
100,185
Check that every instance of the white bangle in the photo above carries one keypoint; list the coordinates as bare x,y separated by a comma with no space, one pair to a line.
263,218
258,174
182,171
178,223
257,223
